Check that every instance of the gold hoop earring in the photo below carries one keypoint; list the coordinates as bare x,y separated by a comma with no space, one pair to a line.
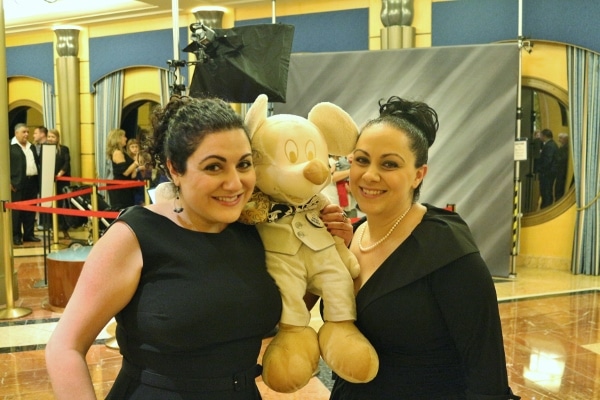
177,209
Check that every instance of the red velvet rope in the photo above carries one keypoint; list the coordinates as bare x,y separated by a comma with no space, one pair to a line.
33,204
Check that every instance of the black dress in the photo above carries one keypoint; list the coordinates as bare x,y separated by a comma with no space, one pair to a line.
62,163
122,198
431,312
202,307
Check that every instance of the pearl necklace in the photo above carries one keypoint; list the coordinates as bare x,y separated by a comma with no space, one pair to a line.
387,235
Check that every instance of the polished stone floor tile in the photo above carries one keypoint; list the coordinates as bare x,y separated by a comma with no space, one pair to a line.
550,321
548,350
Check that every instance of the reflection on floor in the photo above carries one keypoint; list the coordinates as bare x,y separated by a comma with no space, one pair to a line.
550,318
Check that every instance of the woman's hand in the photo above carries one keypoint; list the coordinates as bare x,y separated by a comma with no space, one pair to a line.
337,222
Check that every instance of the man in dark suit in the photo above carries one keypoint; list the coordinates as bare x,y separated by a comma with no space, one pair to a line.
546,167
562,165
40,136
24,184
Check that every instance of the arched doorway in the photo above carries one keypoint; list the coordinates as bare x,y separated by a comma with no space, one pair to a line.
135,119
25,112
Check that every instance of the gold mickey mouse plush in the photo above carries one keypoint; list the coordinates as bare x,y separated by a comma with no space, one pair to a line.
291,160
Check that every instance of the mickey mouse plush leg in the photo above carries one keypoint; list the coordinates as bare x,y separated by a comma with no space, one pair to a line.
347,352
291,358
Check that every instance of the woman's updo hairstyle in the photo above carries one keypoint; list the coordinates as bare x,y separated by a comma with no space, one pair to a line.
417,113
416,119
182,124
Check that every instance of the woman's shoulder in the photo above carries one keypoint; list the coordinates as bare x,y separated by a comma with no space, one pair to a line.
441,216
143,214
442,230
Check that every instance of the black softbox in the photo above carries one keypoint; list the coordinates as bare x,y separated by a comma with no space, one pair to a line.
243,62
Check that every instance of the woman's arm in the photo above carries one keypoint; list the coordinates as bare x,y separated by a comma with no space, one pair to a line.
107,283
340,175
65,158
132,170
337,222
121,167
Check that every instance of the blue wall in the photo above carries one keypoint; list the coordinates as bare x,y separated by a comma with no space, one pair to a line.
34,60
473,22
153,48
325,32
453,23
573,21
483,21
320,32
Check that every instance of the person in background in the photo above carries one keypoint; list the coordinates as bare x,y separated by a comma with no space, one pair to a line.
562,164
145,160
24,184
425,297
546,167
338,191
40,136
124,168
343,173
536,148
191,313
133,150
62,167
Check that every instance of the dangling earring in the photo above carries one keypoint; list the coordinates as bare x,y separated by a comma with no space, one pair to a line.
176,209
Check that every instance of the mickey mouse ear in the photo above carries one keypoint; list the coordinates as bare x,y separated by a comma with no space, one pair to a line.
257,113
338,127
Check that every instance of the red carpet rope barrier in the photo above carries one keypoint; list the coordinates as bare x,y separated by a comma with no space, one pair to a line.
33,204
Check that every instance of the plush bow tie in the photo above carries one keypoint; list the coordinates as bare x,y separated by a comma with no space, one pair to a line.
261,209
280,210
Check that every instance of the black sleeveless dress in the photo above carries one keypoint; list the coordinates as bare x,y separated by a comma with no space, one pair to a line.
122,198
194,327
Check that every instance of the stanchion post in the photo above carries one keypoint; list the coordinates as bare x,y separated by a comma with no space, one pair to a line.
54,224
10,312
56,245
146,195
95,229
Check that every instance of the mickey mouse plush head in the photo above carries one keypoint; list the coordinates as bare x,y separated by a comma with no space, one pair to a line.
291,155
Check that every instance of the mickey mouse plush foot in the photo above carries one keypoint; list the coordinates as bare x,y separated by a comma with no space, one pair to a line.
347,352
291,358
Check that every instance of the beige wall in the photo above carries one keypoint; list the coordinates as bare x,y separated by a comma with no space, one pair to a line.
548,244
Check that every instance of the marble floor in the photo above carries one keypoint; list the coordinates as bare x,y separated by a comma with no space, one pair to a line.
550,319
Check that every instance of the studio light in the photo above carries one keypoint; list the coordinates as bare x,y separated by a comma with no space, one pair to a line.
240,63
203,38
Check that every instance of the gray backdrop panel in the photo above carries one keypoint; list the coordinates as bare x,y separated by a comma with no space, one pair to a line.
474,91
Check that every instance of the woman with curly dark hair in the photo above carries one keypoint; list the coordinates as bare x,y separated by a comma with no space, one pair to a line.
424,296
187,282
